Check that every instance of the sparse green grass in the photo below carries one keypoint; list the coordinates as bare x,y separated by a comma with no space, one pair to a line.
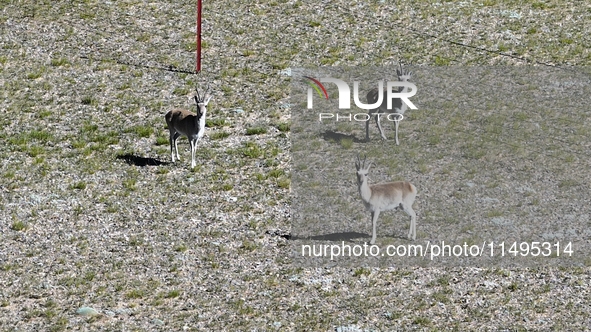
80,185
218,135
227,90
88,100
59,62
35,75
251,150
173,294
347,143
44,114
283,127
275,173
568,183
135,294
40,135
142,131
35,150
88,128
181,248
314,24
162,140
441,61
181,91
248,245
227,186
256,131
144,37
129,184
19,226
422,321
136,241
215,122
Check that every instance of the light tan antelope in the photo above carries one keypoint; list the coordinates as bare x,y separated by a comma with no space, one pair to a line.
183,122
398,106
386,196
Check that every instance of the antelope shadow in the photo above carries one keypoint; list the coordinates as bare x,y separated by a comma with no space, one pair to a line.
345,236
135,160
335,237
330,135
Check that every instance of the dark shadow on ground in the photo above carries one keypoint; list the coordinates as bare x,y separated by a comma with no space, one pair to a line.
132,159
347,237
330,135
337,237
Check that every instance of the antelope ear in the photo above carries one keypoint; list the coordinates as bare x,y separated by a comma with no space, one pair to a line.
196,99
207,98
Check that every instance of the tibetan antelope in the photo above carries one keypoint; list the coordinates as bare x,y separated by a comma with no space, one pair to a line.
398,106
386,196
183,122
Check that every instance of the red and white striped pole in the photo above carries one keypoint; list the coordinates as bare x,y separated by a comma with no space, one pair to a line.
198,66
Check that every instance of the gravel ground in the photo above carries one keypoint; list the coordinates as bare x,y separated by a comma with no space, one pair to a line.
99,231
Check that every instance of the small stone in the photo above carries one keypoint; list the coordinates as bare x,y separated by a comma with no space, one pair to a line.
501,221
123,311
87,311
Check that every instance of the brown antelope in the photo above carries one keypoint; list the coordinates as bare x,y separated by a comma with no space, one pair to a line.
183,122
386,196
